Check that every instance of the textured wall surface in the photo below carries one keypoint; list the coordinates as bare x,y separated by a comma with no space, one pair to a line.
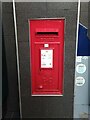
48,107
11,106
89,57
0,59
84,14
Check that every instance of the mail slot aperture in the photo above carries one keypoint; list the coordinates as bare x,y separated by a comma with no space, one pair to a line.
47,32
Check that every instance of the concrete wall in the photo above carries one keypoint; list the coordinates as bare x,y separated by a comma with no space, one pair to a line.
89,57
11,106
0,59
47,107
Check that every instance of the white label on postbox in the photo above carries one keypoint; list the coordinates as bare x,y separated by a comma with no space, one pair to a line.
46,58
46,45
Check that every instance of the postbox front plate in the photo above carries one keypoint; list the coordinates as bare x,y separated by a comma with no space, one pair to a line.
47,56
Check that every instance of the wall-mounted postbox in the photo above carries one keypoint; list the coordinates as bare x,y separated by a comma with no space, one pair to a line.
47,56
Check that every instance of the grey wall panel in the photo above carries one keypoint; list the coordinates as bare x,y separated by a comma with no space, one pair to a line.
11,105
84,6
23,17
23,32
8,24
0,59
47,107
12,99
89,57
24,7
62,6
84,18
7,7
24,68
84,13
81,93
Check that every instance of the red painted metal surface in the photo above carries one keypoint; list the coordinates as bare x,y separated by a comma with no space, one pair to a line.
47,56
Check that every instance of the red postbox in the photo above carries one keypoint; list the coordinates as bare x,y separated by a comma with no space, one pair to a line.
47,56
